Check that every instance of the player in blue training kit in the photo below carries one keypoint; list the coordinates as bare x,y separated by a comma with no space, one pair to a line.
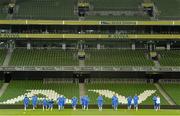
34,101
44,103
129,102
82,101
100,102
136,98
154,101
86,102
51,103
60,101
64,102
74,102
115,102
26,102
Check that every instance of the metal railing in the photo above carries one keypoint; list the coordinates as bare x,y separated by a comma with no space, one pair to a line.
92,68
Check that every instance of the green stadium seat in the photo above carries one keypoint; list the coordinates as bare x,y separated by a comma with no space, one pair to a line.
46,9
114,4
173,91
37,57
122,89
168,11
114,57
169,58
17,90
1,83
2,56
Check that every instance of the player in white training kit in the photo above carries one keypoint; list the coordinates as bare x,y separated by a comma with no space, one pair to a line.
158,101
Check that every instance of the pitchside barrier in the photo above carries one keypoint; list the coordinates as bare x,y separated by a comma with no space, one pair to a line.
90,22
91,107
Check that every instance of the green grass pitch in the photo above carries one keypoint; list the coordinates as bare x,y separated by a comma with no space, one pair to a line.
90,112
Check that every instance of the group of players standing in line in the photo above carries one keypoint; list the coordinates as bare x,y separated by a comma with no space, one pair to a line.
84,100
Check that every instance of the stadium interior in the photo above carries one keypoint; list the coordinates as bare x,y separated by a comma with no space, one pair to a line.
81,47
